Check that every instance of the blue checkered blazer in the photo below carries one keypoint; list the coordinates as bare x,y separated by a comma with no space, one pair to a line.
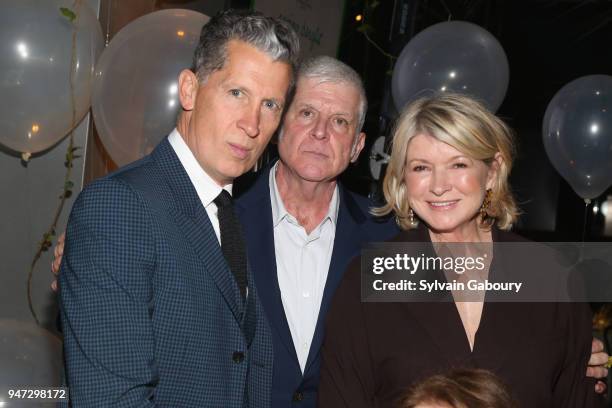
151,314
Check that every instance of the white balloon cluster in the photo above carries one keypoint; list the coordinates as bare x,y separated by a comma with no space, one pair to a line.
50,75
135,97
43,92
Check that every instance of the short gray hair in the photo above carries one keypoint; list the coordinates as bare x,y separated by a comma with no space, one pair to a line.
272,36
328,69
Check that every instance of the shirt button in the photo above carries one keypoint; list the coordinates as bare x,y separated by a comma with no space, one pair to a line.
238,357
306,294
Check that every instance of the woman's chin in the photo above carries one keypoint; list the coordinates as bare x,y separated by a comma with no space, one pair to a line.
447,226
441,226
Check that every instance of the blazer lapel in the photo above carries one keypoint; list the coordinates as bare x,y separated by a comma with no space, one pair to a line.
255,212
250,312
193,220
346,245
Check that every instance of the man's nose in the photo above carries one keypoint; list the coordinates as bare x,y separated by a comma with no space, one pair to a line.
249,122
319,131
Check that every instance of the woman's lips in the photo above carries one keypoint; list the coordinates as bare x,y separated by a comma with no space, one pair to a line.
442,205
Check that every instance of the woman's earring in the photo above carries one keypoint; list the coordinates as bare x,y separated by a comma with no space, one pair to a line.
485,204
411,217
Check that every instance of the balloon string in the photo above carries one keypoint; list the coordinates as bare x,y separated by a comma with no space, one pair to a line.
450,15
46,242
584,221
584,226
108,19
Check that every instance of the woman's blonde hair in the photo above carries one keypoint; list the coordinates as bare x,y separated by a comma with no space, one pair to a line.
469,127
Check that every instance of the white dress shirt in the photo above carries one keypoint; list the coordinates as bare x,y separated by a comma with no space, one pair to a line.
302,263
205,186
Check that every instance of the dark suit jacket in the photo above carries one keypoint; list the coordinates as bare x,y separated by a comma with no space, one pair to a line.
151,314
374,352
354,227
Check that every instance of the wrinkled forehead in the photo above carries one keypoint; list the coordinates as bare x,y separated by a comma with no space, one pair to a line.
335,95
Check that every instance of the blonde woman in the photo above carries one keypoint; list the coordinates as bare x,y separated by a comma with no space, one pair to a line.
447,181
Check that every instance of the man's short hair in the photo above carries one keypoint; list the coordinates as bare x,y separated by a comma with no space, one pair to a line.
328,69
272,36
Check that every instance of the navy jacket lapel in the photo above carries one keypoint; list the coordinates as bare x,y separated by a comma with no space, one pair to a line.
255,213
193,220
346,245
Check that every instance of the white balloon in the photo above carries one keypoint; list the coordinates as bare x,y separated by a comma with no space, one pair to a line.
452,56
36,109
577,134
135,97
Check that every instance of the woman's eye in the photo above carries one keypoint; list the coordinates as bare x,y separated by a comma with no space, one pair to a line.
419,168
460,165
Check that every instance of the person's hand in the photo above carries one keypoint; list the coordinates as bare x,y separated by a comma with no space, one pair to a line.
58,252
597,367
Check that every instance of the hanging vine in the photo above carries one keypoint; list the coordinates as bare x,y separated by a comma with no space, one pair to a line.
366,29
47,238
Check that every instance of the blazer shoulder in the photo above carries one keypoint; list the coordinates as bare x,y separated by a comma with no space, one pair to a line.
119,190
135,174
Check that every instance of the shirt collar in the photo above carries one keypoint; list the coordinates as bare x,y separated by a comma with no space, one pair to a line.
205,186
279,212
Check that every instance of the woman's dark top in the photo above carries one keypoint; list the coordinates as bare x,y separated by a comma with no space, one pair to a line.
373,352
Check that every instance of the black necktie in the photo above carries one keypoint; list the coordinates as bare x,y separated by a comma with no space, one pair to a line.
232,243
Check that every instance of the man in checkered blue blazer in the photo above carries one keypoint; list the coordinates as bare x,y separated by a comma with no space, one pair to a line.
151,313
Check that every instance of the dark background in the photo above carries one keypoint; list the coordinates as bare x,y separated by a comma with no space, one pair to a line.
548,44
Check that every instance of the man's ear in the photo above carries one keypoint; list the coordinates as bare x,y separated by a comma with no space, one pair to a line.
188,89
358,146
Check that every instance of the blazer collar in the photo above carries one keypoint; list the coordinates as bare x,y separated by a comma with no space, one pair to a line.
348,239
192,218
255,213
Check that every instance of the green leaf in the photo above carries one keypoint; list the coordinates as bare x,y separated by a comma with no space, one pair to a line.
68,185
69,14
